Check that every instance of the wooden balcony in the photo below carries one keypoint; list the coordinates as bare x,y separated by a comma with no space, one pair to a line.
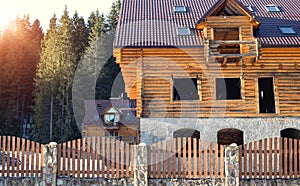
231,49
111,125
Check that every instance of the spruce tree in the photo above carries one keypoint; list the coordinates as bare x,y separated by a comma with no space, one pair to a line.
110,70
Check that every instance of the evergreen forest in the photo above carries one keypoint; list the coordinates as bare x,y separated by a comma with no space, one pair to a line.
47,75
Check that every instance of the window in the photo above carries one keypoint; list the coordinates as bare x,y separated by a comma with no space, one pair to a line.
185,89
266,95
228,88
287,30
179,9
111,116
272,8
250,8
109,133
183,31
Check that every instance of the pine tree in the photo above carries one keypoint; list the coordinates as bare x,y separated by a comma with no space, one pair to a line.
110,69
59,58
20,47
90,65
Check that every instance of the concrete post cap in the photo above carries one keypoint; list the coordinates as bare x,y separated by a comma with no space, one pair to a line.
142,144
233,145
52,144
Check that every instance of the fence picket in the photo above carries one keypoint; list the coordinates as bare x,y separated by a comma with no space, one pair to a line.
127,159
285,157
164,158
250,160
174,152
179,157
69,158
245,160
73,150
195,157
280,157
79,154
205,160
32,153
58,159
200,158
18,157
221,161
189,157
13,159
290,142
4,167
158,159
275,157
132,160
112,157
270,158
184,156
255,159
98,156
64,156
295,158
298,166
103,154
169,150
211,161
265,158
260,158
27,157
117,159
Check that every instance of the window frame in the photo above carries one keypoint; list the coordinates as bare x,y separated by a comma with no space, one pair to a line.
276,8
226,99
180,9
195,81
283,32
179,31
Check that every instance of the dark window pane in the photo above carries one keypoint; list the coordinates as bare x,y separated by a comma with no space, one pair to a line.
185,89
228,88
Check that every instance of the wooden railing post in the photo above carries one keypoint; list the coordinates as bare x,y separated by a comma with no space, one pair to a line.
232,165
50,164
140,165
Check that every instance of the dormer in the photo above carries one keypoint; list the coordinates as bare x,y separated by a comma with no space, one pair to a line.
111,118
228,30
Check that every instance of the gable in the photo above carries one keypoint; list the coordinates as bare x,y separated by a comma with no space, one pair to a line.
229,8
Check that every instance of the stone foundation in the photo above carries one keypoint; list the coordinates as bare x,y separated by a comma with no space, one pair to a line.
38,181
159,129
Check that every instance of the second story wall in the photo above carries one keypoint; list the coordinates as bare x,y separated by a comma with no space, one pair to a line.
161,78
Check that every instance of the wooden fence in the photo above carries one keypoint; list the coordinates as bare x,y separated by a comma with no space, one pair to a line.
270,158
95,157
185,158
20,157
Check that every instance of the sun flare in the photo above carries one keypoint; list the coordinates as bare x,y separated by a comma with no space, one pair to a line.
4,21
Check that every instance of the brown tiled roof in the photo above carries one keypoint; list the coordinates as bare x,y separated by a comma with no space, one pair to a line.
95,108
150,23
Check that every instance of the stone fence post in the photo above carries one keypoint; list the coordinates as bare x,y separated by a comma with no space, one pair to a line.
232,165
140,165
50,164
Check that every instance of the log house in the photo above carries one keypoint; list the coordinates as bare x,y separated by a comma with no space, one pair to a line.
221,67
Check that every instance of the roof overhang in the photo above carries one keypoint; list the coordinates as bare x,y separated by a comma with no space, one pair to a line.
221,5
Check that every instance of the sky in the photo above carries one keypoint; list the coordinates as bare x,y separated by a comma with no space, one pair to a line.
43,10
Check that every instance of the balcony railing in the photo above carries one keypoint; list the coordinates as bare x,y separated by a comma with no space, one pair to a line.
232,48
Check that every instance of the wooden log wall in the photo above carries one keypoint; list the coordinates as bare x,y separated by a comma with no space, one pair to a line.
161,65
